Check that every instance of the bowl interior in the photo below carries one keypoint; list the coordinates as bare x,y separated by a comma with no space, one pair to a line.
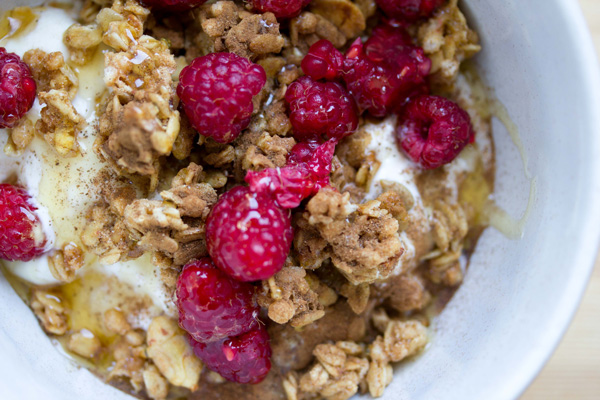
518,295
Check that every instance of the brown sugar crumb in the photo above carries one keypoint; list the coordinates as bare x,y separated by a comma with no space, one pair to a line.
229,27
362,241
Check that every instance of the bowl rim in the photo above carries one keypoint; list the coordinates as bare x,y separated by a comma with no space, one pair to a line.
586,254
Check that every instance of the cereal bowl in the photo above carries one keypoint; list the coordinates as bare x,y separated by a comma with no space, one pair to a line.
522,286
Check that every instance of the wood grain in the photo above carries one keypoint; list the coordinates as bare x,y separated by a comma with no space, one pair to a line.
573,372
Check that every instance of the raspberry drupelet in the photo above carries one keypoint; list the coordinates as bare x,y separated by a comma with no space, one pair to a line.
213,306
21,234
283,9
409,9
242,359
173,5
320,108
385,70
248,235
216,91
306,172
17,89
433,131
323,61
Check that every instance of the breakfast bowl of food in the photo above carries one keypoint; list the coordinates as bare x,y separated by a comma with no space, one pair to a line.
324,199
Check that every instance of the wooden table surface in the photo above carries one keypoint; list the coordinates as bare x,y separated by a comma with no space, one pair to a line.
573,372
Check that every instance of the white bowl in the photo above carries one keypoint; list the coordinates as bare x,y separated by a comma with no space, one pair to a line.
519,295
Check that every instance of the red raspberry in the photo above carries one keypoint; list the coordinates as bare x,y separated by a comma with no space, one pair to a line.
409,9
17,89
173,5
323,61
307,171
248,235
283,9
385,70
320,108
433,130
21,235
212,306
216,91
242,359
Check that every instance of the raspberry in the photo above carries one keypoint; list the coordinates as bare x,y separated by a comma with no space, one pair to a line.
242,359
17,89
320,108
433,130
216,91
307,171
248,235
283,9
323,61
384,70
173,5
409,9
212,306
21,235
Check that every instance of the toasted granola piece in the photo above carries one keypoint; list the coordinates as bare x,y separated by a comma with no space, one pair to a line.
344,14
266,152
450,227
404,293
401,339
82,42
362,241
447,41
51,72
20,136
157,387
292,348
84,343
175,225
337,373
136,135
51,310
289,297
122,24
169,350
116,322
60,122
307,29
56,86
107,236
65,263
231,28
140,123
129,353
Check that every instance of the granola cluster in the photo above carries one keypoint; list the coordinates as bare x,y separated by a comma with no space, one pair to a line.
353,297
